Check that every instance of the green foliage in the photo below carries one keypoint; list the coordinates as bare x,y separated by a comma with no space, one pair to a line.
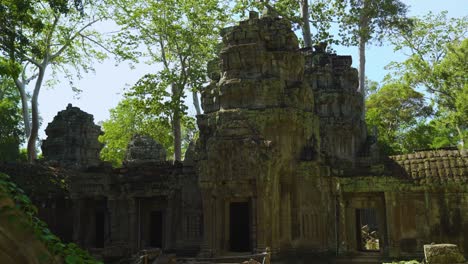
22,23
10,121
137,116
179,35
399,113
71,253
321,15
437,51
36,35
366,19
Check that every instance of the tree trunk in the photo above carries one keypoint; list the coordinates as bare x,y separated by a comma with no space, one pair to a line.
24,106
32,154
362,59
307,35
460,135
176,126
362,73
196,102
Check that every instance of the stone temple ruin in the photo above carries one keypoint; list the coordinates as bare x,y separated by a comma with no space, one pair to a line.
283,160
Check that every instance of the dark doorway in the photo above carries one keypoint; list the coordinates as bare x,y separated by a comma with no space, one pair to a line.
239,227
367,229
156,229
100,227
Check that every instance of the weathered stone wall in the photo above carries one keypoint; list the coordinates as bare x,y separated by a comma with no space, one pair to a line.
72,139
424,198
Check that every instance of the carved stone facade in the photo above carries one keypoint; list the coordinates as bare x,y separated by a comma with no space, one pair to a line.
258,134
282,161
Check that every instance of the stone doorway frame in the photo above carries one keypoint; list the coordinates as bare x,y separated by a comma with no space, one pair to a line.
227,223
355,201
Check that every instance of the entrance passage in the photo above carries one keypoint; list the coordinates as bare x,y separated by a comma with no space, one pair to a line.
239,227
156,229
367,229
99,229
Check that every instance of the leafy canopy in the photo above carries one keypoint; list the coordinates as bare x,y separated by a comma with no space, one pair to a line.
397,111
10,121
437,63
134,116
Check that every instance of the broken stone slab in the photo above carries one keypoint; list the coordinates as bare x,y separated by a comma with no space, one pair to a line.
443,254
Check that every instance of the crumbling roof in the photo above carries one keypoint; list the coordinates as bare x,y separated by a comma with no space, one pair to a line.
433,167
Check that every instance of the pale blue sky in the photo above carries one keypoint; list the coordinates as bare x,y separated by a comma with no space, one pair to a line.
103,90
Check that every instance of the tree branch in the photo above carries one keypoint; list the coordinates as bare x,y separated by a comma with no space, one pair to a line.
97,43
51,33
78,33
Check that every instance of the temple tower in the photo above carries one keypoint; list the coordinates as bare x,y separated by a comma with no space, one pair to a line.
258,138
72,139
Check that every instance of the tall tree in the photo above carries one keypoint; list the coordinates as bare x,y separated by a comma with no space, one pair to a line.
363,20
37,35
129,117
302,14
178,35
10,120
437,51
398,111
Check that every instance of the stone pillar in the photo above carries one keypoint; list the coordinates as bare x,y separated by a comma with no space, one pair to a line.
275,217
133,224
286,218
170,234
112,208
261,224
392,247
208,240
253,217
78,209
342,234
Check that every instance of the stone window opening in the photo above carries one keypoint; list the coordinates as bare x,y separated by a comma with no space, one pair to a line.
367,230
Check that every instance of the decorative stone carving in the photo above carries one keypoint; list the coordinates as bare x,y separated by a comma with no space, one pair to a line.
142,149
72,139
